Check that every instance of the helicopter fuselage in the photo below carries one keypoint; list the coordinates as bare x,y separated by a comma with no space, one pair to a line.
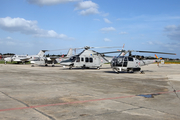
129,64
86,59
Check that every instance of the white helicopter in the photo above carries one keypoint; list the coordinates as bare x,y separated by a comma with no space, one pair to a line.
88,59
132,64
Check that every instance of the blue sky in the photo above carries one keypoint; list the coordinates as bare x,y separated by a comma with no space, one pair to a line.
27,26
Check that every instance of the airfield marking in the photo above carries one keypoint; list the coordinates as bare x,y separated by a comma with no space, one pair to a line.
38,106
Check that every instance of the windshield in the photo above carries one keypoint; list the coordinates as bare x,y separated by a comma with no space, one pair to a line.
73,58
120,61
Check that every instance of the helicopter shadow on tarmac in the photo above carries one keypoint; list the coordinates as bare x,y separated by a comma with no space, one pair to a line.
122,72
125,72
50,66
77,68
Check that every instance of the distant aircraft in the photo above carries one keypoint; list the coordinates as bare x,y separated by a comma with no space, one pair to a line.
8,59
25,58
51,60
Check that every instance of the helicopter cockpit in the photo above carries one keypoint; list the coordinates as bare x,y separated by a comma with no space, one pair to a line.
72,59
75,58
121,61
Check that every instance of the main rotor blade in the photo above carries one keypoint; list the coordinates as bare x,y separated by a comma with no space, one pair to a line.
111,52
154,52
60,49
108,47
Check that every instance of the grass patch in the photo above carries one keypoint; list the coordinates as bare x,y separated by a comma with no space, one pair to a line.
172,62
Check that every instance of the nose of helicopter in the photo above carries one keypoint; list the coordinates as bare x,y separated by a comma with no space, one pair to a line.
66,62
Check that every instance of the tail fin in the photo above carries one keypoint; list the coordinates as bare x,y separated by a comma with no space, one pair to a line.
41,53
158,60
123,53
123,46
157,57
70,52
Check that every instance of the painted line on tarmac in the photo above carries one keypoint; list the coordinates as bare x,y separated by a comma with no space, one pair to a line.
38,106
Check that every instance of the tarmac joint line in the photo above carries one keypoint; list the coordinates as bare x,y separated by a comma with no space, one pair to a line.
76,102
27,106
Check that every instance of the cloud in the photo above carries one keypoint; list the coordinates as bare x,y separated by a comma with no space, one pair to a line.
170,28
108,29
150,43
51,34
89,11
8,41
28,27
123,33
86,5
173,32
87,8
17,46
49,2
107,21
165,46
9,38
107,40
18,24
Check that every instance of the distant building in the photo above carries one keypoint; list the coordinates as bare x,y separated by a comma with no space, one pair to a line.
6,55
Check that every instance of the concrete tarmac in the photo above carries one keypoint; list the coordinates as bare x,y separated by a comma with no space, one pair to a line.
57,93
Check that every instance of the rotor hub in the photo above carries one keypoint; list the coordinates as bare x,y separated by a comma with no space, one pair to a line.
86,47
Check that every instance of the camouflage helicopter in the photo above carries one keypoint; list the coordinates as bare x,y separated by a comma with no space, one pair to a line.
88,58
130,63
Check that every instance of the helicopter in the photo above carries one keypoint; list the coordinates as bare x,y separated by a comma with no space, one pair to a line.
132,64
88,58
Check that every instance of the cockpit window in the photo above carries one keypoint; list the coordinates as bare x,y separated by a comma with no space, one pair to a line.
73,58
125,58
78,59
120,61
130,58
